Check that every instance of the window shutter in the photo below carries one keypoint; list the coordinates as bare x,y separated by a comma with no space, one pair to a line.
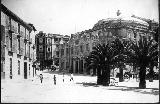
2,41
14,42
7,40
2,34
7,22
21,46
27,50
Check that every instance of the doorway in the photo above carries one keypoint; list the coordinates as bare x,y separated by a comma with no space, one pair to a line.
25,70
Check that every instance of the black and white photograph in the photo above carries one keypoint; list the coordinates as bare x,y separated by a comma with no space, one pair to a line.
80,51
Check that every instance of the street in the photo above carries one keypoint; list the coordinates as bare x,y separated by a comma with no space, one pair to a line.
82,90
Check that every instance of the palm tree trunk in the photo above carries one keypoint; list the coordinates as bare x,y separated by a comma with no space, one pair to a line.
151,72
121,75
142,75
94,71
106,76
99,77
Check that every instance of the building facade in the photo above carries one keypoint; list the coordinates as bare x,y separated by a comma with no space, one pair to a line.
103,32
49,48
16,46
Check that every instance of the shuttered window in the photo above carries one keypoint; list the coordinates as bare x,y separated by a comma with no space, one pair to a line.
14,43
18,67
21,46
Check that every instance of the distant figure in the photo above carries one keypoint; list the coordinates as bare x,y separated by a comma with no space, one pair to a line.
71,79
63,77
54,78
41,77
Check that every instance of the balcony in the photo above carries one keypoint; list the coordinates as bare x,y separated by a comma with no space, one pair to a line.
10,51
10,29
19,35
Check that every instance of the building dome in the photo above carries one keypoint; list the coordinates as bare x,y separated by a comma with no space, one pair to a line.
121,21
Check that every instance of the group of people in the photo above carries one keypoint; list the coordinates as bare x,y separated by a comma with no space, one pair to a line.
54,78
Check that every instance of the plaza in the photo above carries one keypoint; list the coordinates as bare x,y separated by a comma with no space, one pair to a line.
82,90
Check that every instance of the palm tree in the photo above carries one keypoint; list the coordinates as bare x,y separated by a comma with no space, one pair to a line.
103,57
119,46
142,53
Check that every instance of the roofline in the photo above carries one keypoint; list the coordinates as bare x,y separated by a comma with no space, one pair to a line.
15,17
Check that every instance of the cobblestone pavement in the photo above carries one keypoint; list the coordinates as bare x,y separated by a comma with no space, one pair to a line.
82,90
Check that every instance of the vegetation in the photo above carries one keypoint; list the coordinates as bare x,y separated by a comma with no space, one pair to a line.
103,58
142,53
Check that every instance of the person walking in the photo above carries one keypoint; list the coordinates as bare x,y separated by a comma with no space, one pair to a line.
71,79
41,77
63,77
54,78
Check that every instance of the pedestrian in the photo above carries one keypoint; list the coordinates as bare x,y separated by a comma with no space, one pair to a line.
71,79
63,77
54,79
41,77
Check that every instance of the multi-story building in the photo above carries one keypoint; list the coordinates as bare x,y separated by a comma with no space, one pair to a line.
64,53
40,49
48,49
105,31
16,46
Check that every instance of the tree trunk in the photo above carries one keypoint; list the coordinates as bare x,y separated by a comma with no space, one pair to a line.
151,72
99,77
142,75
106,76
121,74
94,71
105,79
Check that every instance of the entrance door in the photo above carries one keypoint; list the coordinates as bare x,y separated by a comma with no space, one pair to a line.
11,68
76,66
25,70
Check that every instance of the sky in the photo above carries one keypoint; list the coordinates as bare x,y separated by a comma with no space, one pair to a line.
67,17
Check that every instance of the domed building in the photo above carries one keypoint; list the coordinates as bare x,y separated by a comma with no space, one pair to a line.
104,31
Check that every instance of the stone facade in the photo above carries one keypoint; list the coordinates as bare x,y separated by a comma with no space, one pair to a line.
103,32
16,47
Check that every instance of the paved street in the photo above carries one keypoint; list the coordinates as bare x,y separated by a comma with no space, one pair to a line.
82,90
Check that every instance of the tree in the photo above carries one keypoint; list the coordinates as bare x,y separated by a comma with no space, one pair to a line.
103,57
119,46
142,53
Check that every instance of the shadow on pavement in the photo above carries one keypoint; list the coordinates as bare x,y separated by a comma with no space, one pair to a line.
85,84
153,91
61,73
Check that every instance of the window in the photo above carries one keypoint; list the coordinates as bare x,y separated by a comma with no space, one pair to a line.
55,39
25,49
29,69
49,41
67,51
10,68
19,28
57,53
48,49
40,47
18,43
40,40
87,47
18,67
10,40
62,52
41,55
71,50
81,48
